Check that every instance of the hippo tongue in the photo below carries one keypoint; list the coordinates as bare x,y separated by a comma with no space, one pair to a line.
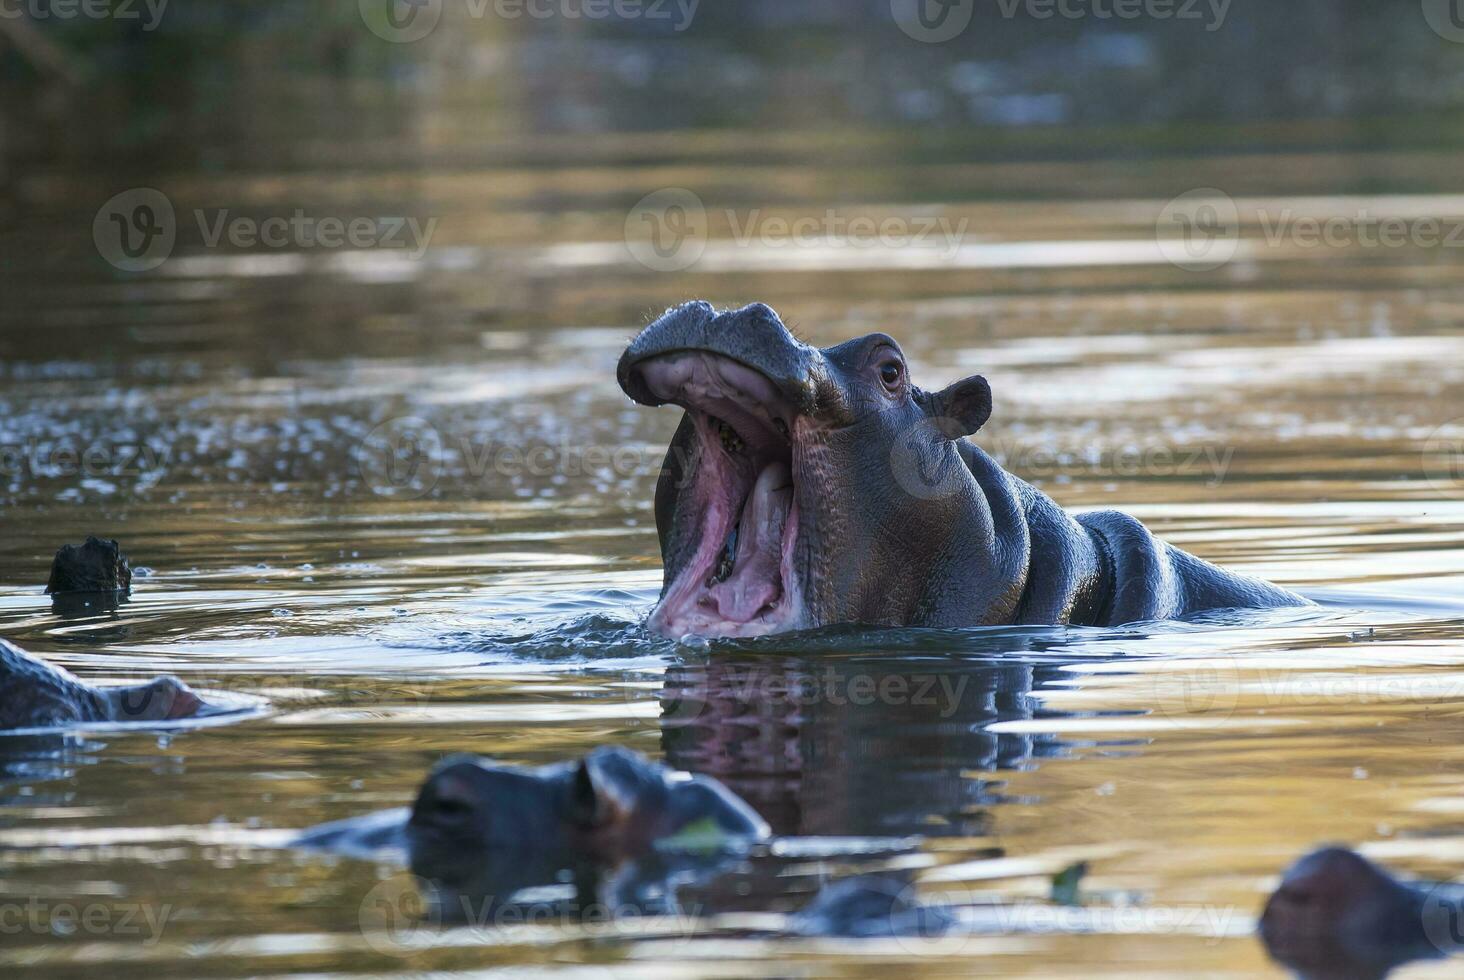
755,581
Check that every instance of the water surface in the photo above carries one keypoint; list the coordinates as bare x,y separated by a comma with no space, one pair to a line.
1297,414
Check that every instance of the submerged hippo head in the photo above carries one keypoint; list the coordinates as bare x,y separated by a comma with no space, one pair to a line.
612,805
780,506
1337,914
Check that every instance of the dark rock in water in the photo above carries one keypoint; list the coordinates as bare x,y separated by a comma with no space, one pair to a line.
96,566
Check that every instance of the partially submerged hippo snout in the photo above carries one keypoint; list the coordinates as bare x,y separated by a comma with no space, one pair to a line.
611,805
35,694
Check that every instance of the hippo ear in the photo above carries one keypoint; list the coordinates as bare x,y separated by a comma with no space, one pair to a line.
964,406
593,801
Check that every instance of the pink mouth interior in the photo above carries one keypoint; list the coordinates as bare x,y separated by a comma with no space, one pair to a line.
740,581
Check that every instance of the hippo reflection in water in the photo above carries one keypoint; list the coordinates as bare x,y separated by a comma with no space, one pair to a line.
35,694
808,487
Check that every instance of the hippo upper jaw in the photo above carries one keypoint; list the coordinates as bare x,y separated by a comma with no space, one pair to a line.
746,387
740,579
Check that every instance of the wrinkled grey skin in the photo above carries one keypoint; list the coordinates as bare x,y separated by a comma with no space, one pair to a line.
899,519
34,694
1336,914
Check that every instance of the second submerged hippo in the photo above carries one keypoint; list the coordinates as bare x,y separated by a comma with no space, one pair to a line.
479,831
35,694
1337,915
809,487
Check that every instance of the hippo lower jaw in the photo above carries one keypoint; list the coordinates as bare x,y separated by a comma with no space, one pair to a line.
741,580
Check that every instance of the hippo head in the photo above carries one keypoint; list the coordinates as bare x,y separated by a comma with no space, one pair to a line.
794,494
1337,914
611,806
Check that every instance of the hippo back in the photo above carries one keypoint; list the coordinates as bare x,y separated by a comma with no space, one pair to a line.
33,694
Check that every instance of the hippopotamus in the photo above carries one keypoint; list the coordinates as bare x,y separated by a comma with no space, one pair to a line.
35,694
1337,914
807,487
612,804
480,831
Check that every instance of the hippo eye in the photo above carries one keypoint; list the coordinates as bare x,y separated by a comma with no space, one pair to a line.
889,373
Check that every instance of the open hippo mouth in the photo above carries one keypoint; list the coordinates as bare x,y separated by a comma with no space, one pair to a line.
739,581
732,517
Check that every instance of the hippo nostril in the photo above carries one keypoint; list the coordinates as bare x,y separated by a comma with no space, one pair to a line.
445,801
452,810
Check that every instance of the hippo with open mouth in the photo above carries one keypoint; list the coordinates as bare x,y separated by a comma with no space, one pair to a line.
809,487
